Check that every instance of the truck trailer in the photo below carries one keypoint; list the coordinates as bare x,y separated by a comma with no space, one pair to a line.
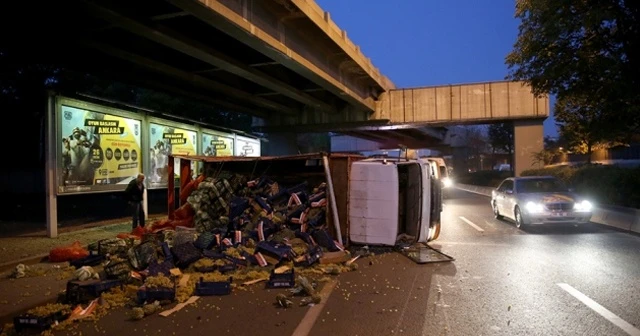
370,201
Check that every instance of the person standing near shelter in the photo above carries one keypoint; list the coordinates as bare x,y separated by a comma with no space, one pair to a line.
135,194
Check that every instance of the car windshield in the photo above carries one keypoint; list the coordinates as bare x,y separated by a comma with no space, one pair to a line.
539,186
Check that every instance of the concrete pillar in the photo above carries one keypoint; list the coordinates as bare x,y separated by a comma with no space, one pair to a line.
280,144
528,139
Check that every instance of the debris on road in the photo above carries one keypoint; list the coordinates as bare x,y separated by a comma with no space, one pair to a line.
230,233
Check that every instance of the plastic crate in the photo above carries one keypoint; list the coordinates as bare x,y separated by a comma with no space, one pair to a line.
164,267
84,291
91,260
28,321
230,267
155,294
278,251
206,269
213,254
237,261
185,254
284,280
311,257
213,288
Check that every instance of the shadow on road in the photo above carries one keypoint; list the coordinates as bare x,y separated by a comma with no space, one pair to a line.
566,229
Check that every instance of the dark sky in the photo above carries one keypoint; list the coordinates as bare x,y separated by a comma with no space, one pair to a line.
432,42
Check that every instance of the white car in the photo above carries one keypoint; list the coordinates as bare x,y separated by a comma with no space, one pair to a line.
538,200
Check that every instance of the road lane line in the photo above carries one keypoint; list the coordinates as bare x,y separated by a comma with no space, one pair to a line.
472,224
406,303
309,319
604,312
442,243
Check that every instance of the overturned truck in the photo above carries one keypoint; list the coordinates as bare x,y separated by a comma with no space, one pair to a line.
336,199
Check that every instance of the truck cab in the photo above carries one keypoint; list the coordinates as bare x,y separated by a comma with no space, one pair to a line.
392,198
441,171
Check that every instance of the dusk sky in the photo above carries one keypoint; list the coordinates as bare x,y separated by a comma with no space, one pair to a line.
432,42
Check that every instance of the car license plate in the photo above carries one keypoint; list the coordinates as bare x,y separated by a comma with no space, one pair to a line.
559,214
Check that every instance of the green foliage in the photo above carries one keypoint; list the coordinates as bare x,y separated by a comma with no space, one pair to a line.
609,185
545,156
585,127
584,50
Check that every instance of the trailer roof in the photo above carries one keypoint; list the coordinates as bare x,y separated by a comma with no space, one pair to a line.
308,156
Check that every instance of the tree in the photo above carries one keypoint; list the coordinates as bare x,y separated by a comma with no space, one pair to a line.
582,48
476,143
553,149
583,124
501,139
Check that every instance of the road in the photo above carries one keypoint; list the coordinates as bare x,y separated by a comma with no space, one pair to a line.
548,281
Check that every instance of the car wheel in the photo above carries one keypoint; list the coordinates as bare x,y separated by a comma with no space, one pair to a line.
518,218
496,212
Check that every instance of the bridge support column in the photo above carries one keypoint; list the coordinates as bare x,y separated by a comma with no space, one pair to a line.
528,139
280,144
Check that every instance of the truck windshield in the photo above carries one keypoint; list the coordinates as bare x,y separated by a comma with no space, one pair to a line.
443,171
410,198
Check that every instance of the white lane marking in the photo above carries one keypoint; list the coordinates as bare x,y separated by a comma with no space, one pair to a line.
604,312
406,303
472,224
309,319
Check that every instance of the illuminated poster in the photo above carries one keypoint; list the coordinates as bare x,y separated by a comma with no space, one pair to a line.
217,144
247,146
165,140
98,151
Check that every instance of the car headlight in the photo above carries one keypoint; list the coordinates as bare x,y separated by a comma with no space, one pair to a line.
534,207
583,206
447,182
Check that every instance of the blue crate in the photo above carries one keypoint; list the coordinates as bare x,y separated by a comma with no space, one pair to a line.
284,280
213,288
312,256
155,294
28,321
84,291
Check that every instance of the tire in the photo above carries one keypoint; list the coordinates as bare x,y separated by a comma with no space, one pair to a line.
434,231
518,218
496,212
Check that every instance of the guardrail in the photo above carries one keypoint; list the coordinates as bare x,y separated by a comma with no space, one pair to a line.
627,219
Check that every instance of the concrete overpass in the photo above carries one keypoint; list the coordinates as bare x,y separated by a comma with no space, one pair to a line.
284,61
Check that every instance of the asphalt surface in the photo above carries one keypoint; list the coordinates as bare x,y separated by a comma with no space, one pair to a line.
564,280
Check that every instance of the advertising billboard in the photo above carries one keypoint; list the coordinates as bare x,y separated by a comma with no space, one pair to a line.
99,147
166,138
217,143
246,146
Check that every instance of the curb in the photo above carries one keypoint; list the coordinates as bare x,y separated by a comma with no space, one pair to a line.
625,219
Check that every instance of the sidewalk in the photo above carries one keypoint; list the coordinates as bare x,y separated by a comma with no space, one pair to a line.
626,219
31,248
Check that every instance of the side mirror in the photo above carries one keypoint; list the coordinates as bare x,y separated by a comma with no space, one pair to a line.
509,191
